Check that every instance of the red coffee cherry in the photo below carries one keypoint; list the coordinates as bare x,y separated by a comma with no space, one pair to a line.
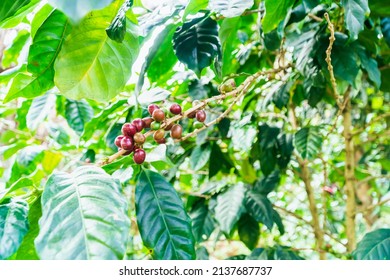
147,122
176,131
118,141
162,141
159,134
129,129
139,124
167,128
139,156
158,115
151,108
201,116
127,143
139,138
175,109
126,153
192,115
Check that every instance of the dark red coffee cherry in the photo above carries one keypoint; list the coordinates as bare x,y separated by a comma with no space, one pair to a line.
192,115
151,108
139,124
139,138
126,153
167,128
127,143
158,115
159,134
118,141
201,116
129,129
147,122
175,109
139,156
176,131
162,141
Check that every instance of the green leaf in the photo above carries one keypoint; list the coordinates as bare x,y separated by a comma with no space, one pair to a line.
90,65
275,12
11,54
230,8
375,245
194,6
9,7
379,8
218,161
278,221
268,183
18,11
355,11
117,29
229,39
27,250
40,18
77,114
202,254
284,253
260,208
42,54
248,231
20,187
163,223
13,226
200,156
39,110
371,66
76,10
282,96
85,213
202,222
308,141
229,207
196,43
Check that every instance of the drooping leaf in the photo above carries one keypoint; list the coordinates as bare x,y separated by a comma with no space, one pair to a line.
229,39
196,43
278,221
248,231
76,10
308,142
229,207
117,29
218,161
13,226
375,245
259,208
284,253
281,97
230,8
275,12
46,45
39,110
163,223
371,66
355,11
200,156
90,65
88,214
155,94
268,183
194,6
202,222
77,114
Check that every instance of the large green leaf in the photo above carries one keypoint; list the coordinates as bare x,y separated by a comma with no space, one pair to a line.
13,226
380,8
260,208
202,222
375,245
229,207
78,113
228,37
345,63
230,8
249,231
308,142
196,43
9,7
42,54
200,156
39,110
76,10
163,223
84,216
268,183
275,12
117,29
90,64
355,11
12,52
17,13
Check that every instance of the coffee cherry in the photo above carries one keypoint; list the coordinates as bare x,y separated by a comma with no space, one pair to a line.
129,129
162,141
127,143
176,131
212,104
198,125
167,128
158,115
201,116
151,108
192,115
159,134
147,122
126,153
118,141
139,138
139,156
155,126
139,124
175,109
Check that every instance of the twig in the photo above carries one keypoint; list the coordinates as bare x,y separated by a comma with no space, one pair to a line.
374,120
339,112
312,16
328,59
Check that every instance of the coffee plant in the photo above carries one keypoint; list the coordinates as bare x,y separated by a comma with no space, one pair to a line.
194,129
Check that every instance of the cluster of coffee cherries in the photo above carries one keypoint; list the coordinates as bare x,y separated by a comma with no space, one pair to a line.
132,137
